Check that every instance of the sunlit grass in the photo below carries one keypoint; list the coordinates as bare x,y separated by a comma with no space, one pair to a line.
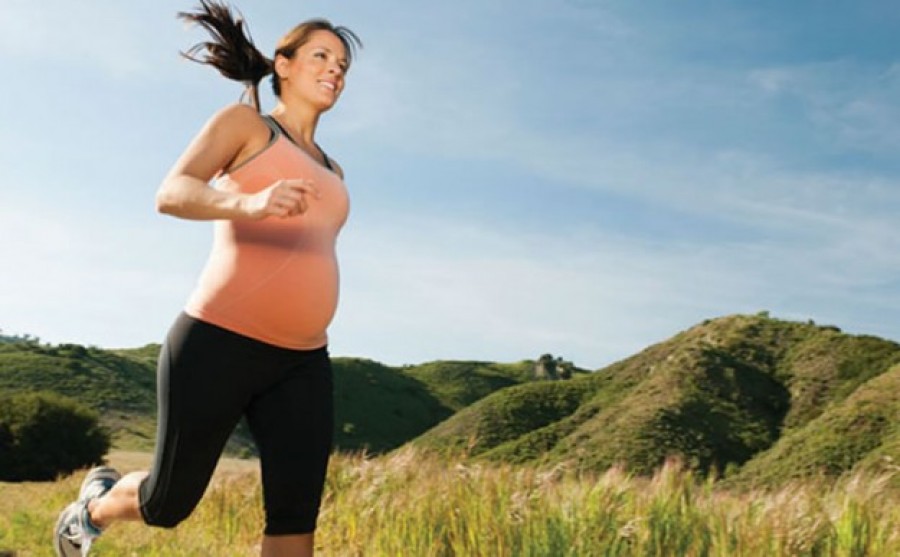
411,503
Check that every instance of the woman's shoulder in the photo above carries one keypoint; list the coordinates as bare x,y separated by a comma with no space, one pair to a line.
235,119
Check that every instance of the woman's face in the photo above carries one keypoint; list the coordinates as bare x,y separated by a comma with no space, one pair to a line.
316,72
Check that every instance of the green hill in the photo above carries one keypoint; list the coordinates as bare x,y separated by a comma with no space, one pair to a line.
756,399
377,407
860,432
120,386
380,408
718,396
458,384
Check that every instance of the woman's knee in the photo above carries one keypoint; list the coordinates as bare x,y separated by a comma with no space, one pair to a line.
164,507
167,518
166,515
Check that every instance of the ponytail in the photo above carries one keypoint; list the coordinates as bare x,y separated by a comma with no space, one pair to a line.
231,50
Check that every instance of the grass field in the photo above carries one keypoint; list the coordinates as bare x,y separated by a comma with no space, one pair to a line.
409,503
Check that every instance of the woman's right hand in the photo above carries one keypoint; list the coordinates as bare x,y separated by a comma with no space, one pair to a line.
283,199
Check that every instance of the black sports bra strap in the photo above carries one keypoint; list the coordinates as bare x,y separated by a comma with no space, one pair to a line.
277,128
273,124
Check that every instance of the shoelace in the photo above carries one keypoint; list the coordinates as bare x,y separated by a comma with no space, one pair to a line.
73,532
80,538
97,488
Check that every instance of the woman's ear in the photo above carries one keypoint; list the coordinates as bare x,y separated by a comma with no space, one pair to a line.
281,66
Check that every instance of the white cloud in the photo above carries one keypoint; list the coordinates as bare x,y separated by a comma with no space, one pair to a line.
759,184
123,39
821,243
853,105
91,279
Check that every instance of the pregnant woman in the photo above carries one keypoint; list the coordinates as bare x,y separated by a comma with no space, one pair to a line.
251,341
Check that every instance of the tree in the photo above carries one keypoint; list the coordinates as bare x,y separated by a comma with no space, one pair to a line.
44,435
545,367
548,367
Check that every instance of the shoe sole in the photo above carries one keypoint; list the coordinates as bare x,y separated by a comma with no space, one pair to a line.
57,538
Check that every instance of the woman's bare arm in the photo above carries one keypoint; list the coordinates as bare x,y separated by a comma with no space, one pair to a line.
185,191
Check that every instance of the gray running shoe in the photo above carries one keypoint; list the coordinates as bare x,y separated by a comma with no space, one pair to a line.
74,532
97,482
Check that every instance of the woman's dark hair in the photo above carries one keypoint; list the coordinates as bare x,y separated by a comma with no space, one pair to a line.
232,52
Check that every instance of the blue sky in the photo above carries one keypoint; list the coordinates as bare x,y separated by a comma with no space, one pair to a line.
577,177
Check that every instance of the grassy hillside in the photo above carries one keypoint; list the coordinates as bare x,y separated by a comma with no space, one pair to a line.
458,384
113,381
861,432
410,503
756,399
718,395
506,416
377,407
380,408
119,386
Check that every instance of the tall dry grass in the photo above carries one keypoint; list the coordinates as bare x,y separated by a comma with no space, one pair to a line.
411,503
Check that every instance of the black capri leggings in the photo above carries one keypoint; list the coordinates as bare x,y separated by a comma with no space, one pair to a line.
208,378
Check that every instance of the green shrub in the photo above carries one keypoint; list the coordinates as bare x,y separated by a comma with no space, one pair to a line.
44,435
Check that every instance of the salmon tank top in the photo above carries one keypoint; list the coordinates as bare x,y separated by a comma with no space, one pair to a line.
276,279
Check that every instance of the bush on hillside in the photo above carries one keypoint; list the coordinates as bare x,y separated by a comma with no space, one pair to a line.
44,435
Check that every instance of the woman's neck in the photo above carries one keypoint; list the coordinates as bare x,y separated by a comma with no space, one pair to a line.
300,121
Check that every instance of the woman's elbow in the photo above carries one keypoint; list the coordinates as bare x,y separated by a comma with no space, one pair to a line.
165,200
